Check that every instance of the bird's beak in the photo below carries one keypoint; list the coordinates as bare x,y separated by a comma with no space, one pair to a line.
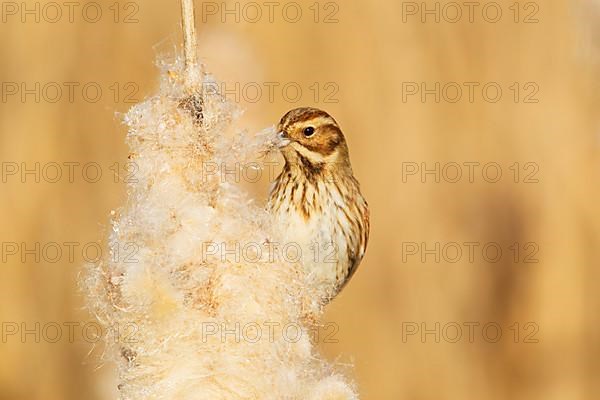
283,139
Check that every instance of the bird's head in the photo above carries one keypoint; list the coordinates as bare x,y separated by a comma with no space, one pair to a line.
311,135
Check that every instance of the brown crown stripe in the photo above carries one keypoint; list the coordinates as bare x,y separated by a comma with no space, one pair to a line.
303,115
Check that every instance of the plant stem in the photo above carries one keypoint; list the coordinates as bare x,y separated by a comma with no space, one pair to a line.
189,38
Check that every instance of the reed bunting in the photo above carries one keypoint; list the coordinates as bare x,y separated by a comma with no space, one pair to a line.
316,200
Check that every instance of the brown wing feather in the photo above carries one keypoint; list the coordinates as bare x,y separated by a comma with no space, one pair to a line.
356,255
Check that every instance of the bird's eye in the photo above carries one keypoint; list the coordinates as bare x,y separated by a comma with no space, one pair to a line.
309,131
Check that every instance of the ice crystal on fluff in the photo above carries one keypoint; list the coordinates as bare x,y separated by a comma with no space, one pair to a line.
197,302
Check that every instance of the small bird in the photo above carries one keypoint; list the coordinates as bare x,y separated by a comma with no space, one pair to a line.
316,200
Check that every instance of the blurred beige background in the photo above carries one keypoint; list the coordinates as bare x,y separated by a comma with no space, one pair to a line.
365,59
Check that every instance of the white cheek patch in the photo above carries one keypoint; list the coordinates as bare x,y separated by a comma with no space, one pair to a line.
312,156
